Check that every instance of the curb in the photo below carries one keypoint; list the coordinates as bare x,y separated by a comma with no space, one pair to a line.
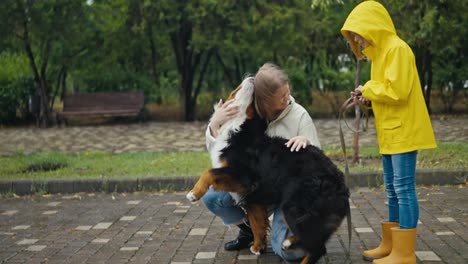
366,179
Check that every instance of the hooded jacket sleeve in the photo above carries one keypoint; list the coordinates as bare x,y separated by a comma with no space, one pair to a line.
395,88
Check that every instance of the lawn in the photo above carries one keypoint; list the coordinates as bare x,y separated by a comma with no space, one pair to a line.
95,165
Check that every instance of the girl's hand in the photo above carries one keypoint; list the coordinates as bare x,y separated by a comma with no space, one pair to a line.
357,96
297,142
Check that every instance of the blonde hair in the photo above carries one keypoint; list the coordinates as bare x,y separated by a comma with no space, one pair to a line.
354,46
268,79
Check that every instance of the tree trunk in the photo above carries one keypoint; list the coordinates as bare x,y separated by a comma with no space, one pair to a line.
153,53
44,117
428,87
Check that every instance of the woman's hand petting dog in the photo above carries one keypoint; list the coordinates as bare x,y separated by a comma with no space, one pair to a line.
297,142
223,113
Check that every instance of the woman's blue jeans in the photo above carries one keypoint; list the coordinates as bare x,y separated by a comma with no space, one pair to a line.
221,204
399,177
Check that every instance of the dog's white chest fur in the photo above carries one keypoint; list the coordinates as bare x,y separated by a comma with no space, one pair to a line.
243,98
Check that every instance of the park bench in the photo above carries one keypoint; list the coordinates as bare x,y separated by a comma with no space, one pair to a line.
102,104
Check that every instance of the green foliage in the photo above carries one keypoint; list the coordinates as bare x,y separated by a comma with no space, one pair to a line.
436,32
16,85
176,50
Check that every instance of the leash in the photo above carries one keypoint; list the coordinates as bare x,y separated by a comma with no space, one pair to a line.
348,104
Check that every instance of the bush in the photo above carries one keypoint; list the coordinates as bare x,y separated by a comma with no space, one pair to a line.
14,99
16,85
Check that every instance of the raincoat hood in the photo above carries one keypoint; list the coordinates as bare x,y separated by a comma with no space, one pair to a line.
371,21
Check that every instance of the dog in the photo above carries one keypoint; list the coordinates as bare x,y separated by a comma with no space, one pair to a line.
261,173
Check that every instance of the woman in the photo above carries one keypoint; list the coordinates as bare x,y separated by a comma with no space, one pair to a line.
401,120
286,119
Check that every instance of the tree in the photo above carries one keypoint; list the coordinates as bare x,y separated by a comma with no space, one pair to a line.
436,33
41,27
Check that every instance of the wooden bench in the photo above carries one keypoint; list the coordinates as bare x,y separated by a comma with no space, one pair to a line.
102,104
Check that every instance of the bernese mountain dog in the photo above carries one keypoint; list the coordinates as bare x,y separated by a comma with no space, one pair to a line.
261,173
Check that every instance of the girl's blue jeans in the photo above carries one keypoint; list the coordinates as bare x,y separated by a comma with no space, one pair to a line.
399,178
221,204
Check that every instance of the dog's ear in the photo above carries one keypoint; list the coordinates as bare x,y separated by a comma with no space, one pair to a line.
233,93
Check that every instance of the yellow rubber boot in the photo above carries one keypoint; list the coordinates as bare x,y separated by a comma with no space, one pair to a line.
385,246
403,247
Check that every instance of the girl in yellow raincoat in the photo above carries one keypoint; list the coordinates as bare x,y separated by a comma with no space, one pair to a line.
401,120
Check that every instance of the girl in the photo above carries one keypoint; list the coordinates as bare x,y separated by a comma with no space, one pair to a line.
401,120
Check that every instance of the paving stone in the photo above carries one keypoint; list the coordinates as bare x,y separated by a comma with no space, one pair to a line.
10,212
27,241
128,248
36,248
100,240
247,257
445,233
198,232
134,202
127,218
205,255
173,203
49,212
427,256
21,227
144,233
364,230
445,219
103,225
83,228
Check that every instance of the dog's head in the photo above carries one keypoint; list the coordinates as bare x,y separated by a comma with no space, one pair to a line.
243,99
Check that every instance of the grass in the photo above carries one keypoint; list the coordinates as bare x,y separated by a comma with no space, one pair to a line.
95,165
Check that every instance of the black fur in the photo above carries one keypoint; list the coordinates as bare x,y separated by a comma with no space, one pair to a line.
306,185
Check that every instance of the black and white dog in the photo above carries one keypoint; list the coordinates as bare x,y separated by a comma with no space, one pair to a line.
261,173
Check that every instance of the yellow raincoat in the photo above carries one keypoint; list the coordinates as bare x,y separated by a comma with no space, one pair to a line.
401,118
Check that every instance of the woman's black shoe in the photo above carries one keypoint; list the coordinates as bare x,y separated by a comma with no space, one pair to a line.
243,240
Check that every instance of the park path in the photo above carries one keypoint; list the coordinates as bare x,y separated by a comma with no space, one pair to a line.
164,228
177,136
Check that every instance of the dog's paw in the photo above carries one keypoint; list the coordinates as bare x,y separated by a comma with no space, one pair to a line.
286,244
255,251
191,196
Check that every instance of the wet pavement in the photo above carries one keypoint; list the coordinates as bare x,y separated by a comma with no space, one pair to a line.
163,228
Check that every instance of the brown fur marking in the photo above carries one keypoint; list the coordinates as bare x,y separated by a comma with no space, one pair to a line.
258,219
202,185
305,260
